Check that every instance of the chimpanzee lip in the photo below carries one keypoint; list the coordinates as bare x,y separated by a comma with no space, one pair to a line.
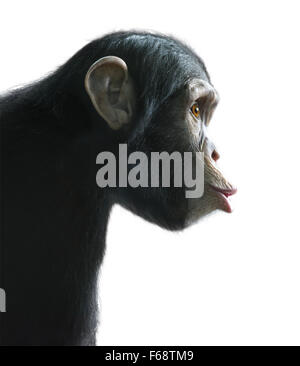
223,194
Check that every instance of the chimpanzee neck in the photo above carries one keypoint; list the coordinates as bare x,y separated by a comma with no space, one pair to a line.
51,259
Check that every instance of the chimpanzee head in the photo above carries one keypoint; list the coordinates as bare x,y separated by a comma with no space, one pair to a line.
156,93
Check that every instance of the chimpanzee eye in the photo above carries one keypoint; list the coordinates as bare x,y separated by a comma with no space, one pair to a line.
195,110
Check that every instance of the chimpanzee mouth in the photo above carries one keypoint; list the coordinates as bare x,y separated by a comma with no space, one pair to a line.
224,195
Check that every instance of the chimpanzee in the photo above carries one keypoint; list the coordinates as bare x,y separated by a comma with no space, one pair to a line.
149,91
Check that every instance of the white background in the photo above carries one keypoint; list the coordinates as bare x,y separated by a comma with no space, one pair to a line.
230,279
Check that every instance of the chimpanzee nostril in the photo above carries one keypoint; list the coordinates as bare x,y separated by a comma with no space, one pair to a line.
215,155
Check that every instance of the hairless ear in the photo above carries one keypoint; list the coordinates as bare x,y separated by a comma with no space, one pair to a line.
111,91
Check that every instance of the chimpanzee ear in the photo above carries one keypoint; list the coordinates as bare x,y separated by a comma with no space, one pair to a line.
111,91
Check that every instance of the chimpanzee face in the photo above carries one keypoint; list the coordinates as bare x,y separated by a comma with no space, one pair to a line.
177,123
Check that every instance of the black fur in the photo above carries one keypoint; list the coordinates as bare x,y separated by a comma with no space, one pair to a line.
53,215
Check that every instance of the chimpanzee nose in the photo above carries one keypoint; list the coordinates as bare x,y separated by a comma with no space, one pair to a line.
209,148
215,155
